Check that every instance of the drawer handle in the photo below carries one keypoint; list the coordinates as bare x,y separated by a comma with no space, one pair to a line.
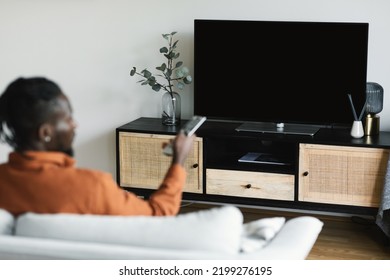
305,173
248,186
195,165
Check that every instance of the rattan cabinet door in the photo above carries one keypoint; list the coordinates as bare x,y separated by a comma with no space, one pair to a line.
143,165
341,175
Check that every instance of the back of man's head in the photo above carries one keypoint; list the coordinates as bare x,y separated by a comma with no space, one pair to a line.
24,105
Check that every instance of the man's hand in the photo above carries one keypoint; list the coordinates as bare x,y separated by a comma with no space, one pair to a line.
181,146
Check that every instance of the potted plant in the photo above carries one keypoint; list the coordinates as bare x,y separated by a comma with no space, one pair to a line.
172,75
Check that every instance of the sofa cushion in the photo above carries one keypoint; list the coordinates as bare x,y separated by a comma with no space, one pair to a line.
217,230
7,222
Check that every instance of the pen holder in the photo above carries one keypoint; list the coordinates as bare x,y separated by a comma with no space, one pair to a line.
357,130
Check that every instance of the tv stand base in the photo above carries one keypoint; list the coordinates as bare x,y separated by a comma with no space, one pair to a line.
281,128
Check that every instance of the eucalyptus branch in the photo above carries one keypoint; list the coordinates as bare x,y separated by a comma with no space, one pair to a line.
176,75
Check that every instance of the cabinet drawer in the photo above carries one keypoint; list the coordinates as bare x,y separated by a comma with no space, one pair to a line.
250,184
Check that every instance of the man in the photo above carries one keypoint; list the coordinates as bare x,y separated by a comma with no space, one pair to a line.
40,175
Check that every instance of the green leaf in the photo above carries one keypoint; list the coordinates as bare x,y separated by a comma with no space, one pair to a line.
179,73
187,80
156,87
185,70
176,55
164,50
132,72
168,73
174,44
162,67
173,33
146,73
180,85
179,63
166,36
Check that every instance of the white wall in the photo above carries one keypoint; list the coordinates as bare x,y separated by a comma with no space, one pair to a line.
89,46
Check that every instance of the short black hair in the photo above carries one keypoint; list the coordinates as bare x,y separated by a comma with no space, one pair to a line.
24,106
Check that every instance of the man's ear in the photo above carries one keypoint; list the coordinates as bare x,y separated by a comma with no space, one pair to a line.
45,132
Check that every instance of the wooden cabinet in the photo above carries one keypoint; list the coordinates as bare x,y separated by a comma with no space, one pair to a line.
341,175
330,171
143,165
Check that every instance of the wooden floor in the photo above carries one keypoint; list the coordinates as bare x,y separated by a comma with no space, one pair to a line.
342,237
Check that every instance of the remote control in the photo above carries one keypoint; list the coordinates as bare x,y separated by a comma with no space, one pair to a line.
189,128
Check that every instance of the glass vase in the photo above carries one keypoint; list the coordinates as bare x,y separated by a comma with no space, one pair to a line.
171,108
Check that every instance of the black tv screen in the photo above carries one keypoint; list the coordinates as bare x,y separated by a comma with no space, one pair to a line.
279,71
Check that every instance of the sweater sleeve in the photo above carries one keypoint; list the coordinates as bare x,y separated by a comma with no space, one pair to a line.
164,201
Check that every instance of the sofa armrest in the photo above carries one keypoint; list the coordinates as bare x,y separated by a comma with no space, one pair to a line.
294,241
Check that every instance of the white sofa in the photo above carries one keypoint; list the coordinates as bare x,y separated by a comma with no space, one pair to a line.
217,233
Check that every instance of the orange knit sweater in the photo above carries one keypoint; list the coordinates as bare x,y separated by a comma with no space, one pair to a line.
49,182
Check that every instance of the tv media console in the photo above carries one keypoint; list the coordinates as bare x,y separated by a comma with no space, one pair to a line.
330,171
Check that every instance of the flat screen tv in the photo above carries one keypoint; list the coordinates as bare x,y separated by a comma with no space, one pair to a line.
275,72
